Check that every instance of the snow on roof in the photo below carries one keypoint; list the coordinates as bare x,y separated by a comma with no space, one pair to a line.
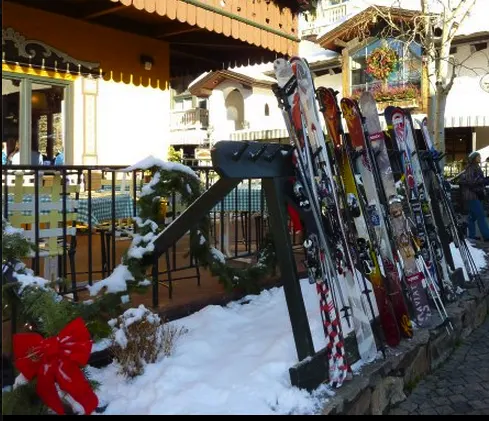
476,22
197,79
255,71
314,53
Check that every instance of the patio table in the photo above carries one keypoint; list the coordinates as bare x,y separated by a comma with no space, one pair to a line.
242,199
101,206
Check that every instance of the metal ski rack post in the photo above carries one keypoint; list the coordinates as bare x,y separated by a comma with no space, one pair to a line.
272,163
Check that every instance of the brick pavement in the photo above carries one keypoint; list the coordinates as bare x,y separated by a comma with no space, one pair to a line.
459,387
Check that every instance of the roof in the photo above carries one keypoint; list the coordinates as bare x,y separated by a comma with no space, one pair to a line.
475,24
345,30
205,83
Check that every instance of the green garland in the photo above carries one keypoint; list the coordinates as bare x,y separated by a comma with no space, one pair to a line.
177,178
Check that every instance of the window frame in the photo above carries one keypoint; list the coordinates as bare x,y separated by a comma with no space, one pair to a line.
403,71
25,112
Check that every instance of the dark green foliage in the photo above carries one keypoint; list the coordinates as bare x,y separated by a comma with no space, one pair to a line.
23,401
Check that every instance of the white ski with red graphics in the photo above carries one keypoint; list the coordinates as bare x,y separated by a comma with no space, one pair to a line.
327,181
319,261
398,221
420,207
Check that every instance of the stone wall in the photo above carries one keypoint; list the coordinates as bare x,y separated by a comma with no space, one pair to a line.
384,383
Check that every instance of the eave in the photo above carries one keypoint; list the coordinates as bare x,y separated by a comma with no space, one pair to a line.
369,19
205,86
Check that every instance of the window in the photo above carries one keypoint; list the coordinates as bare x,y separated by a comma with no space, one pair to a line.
267,110
38,130
404,80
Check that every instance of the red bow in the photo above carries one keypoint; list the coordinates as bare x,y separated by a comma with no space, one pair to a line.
57,360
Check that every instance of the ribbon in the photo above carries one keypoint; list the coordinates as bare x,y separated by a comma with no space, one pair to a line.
57,360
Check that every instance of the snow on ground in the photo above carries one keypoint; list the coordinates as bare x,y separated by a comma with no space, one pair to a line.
480,257
233,360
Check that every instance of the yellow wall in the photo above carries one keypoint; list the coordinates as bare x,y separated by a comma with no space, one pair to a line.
117,52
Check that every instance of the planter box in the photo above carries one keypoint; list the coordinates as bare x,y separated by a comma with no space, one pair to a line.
408,103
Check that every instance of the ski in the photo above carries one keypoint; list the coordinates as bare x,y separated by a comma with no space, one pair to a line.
356,141
318,263
426,243
364,241
329,197
399,224
432,157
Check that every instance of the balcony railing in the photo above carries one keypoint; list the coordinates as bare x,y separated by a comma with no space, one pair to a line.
192,119
326,16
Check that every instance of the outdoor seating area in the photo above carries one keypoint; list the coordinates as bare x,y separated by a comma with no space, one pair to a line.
83,220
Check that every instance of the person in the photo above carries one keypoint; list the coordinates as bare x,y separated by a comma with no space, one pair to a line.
14,156
472,183
59,159
4,153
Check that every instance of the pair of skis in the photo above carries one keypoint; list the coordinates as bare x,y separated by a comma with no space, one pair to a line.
329,257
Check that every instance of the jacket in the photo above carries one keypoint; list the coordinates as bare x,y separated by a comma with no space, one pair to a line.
472,183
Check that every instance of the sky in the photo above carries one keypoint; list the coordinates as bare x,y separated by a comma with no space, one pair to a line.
233,359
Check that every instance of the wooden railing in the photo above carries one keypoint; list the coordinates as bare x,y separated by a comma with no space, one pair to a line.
195,118
325,16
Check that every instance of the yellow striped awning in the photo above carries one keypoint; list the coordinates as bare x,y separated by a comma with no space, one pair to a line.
263,23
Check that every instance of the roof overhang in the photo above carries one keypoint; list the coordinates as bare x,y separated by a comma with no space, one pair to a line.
204,86
203,35
368,21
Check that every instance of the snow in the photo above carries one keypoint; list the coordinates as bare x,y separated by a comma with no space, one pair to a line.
114,283
479,256
28,280
151,161
232,360
137,252
255,71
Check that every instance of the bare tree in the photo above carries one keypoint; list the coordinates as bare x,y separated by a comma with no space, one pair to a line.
433,25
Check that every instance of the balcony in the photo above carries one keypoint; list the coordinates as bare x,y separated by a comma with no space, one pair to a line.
191,119
325,17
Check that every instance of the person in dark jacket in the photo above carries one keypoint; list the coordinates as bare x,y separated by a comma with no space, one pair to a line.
472,184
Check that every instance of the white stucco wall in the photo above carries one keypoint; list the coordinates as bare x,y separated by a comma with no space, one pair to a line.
127,122
466,96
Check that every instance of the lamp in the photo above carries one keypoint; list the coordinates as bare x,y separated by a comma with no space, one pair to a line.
146,61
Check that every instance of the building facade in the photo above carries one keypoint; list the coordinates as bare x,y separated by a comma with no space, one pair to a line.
339,62
93,80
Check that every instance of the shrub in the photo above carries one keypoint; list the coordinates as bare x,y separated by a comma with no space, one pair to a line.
138,338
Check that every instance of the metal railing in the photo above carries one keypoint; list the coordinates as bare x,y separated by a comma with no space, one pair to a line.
454,168
105,205
325,16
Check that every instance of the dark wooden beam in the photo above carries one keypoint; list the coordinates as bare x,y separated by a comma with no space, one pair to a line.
104,12
179,32
195,57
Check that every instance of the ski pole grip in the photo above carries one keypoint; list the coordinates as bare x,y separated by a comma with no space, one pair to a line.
237,155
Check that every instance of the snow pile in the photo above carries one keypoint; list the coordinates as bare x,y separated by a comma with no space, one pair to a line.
115,282
151,161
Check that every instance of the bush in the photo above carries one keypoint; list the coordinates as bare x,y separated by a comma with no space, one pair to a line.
139,336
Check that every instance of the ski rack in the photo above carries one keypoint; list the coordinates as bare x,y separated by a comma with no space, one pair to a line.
271,162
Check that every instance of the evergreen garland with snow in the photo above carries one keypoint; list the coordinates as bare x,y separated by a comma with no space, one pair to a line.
167,179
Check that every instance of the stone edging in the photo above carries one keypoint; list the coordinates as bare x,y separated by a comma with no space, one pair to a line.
385,383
